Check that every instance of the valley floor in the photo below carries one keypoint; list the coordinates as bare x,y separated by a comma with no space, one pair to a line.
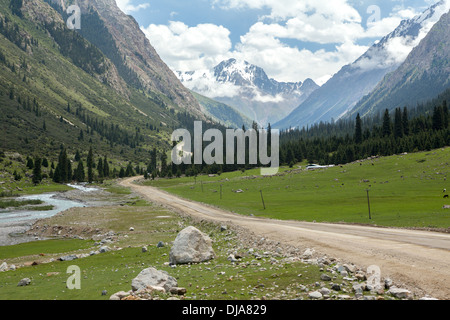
419,259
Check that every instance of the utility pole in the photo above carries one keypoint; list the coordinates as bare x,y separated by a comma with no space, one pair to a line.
368,202
262,198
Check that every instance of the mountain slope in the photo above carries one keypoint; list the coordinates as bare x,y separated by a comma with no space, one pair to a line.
346,88
120,38
424,74
59,90
222,113
248,89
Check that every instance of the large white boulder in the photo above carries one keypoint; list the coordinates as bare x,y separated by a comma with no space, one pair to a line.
191,246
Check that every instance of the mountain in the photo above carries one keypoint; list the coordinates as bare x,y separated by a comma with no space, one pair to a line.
424,74
120,38
346,88
222,113
248,89
58,89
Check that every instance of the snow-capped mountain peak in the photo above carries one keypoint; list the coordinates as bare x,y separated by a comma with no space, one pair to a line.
248,88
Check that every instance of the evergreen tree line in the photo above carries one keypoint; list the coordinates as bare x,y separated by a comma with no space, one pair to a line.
160,166
397,133
340,143
64,173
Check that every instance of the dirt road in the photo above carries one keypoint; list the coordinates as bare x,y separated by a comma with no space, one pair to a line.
419,260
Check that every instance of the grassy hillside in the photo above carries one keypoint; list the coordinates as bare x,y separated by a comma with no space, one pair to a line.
405,191
57,89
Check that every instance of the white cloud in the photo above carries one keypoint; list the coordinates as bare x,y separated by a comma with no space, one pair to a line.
323,22
190,48
290,64
127,7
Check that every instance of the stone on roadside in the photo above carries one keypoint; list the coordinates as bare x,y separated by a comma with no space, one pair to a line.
308,253
399,293
360,276
154,278
350,268
388,283
315,295
191,246
144,249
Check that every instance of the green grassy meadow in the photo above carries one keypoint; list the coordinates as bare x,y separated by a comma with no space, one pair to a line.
113,271
405,191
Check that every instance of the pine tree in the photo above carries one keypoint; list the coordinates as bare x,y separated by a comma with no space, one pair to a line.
122,173
129,171
405,120
398,124
63,170
153,160
358,130
37,171
77,156
79,172
30,164
445,114
386,130
438,118
100,168
106,171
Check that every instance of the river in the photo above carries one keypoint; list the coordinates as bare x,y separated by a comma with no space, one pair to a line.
14,223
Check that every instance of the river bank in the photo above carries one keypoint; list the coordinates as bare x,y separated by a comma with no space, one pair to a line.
14,224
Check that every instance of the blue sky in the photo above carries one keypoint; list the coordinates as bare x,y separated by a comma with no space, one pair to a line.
291,39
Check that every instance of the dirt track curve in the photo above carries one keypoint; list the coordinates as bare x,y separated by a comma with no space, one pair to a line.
420,260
